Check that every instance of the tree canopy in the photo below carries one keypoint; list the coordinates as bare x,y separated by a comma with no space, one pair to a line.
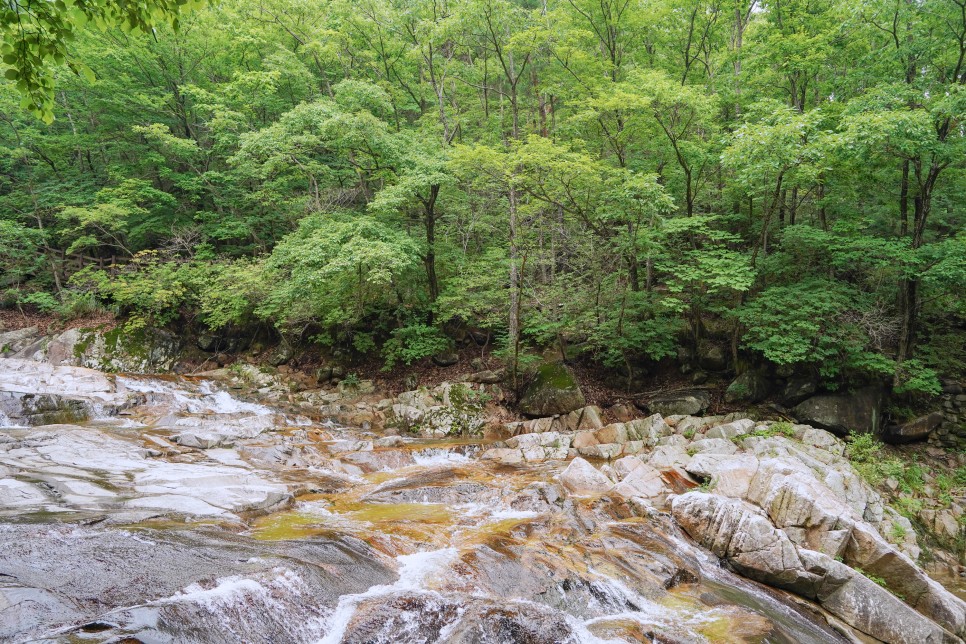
631,179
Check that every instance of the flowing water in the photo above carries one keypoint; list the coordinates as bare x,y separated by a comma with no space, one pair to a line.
188,515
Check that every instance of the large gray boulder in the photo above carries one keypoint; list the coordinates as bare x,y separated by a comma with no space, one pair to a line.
551,390
797,390
680,403
650,429
917,429
583,479
860,411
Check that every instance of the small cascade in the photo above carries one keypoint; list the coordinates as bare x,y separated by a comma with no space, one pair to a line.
414,570
187,397
433,456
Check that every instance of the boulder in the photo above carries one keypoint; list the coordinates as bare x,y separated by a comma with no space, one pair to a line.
873,554
668,456
208,342
551,390
643,482
623,413
546,439
914,430
446,359
689,426
44,409
740,533
356,388
144,350
583,419
582,479
869,608
729,475
586,438
680,403
712,446
486,377
448,409
546,446
731,430
795,500
613,433
282,354
713,358
604,451
797,390
751,386
633,447
533,426
626,465
20,343
841,413
674,439
650,429
504,455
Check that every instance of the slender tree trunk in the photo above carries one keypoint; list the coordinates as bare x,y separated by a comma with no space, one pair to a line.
822,218
904,200
430,258
781,209
908,312
514,326
909,296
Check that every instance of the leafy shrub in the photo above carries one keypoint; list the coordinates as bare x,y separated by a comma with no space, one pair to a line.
865,453
413,342
806,323
43,302
151,290
230,294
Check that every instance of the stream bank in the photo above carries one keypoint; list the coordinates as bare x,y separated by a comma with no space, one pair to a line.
349,515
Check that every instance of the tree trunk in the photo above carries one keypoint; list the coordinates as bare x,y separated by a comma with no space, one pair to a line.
429,260
514,325
909,303
904,200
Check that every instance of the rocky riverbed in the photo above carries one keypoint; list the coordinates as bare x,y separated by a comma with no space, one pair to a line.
166,509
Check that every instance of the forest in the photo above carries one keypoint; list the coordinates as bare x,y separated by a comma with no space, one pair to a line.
629,180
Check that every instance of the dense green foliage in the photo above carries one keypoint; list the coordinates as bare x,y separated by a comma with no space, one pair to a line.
35,35
626,178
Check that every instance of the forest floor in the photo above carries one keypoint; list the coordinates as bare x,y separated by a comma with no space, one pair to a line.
13,319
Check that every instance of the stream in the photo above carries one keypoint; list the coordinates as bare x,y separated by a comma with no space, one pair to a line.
166,509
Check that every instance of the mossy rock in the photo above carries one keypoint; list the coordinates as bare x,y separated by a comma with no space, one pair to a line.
552,389
142,350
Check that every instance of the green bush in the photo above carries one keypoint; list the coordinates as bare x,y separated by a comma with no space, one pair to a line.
413,342
149,289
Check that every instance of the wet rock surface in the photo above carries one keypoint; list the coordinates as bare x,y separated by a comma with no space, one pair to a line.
178,512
